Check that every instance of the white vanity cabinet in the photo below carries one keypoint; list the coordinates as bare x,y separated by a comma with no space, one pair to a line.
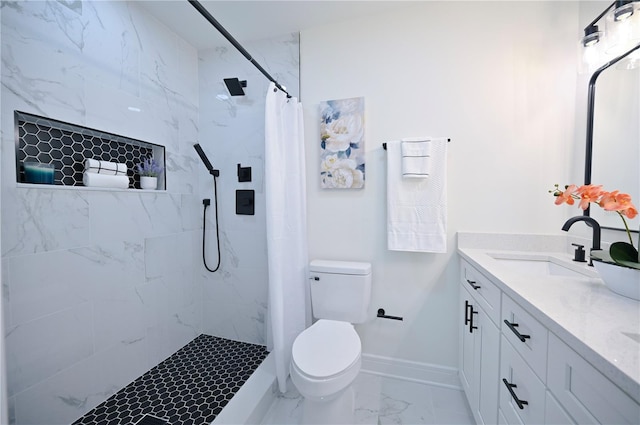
514,370
479,344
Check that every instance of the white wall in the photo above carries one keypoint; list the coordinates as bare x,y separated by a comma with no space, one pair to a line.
98,286
499,79
232,133
3,374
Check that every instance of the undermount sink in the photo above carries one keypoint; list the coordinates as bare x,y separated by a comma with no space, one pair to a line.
540,265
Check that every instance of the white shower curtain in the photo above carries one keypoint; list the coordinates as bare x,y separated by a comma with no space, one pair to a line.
286,225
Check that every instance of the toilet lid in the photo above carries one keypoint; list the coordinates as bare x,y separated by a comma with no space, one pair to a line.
326,348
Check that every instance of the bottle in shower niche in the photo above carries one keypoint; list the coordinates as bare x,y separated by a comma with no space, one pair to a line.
35,172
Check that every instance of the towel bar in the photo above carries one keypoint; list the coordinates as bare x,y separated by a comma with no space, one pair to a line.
384,144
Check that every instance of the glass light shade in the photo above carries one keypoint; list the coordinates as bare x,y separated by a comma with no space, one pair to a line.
622,29
591,57
623,12
591,39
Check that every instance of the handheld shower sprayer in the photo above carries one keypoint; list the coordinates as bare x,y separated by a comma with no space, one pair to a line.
203,157
206,202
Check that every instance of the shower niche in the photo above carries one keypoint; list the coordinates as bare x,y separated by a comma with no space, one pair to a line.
54,152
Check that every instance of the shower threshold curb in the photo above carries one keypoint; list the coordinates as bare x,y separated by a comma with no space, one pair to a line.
252,401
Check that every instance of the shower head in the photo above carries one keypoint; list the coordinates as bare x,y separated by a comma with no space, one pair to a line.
235,86
203,157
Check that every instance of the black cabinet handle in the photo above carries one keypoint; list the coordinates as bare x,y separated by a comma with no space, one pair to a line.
473,284
466,312
471,327
510,387
513,327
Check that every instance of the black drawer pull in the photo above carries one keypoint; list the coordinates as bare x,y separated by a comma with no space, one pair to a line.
471,327
466,312
510,387
473,284
513,327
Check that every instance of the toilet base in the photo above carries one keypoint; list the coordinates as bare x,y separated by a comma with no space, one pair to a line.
339,410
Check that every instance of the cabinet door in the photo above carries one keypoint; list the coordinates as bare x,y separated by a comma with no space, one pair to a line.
488,345
585,393
479,360
467,351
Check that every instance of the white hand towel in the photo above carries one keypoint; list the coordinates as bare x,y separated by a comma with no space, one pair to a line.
104,180
105,167
417,208
416,158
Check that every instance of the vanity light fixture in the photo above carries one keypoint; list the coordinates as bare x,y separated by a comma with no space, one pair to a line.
591,36
621,32
623,10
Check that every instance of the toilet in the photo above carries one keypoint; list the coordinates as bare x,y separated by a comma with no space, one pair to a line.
326,357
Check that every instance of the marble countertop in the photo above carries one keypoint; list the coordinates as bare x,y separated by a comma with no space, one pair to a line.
603,327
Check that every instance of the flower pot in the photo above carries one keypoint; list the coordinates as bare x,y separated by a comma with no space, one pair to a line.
620,279
147,182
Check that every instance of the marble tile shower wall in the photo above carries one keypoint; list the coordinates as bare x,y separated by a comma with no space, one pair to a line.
232,132
98,286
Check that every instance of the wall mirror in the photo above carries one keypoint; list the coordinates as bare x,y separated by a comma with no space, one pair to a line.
615,159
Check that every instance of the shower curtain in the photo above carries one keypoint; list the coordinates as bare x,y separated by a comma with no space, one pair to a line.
286,225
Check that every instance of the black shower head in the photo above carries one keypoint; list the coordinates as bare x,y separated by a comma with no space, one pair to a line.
235,86
203,157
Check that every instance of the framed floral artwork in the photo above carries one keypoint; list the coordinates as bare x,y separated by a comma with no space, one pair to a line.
342,143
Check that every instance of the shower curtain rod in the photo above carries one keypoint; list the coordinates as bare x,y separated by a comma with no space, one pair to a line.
233,41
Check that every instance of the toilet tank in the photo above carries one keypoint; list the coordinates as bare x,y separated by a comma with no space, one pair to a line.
340,290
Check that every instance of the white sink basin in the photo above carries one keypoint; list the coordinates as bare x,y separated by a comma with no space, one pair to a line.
540,265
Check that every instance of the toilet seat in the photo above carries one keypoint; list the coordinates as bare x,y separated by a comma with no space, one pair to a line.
326,349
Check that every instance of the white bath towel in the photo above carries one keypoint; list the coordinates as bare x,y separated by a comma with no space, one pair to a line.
104,180
416,158
105,167
417,208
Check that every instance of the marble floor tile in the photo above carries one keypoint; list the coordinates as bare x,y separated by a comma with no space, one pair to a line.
383,400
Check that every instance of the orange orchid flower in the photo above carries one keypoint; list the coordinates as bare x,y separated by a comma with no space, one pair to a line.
609,201
619,202
589,193
566,196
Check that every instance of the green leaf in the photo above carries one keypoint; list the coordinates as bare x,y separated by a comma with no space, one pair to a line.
630,264
624,254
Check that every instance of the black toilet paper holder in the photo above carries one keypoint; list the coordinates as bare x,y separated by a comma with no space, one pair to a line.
382,315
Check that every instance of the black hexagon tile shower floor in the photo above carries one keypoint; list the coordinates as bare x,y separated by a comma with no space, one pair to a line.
190,387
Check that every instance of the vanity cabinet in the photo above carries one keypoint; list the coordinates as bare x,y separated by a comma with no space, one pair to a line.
584,393
480,344
515,371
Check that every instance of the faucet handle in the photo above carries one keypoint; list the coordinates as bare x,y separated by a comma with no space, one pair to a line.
579,254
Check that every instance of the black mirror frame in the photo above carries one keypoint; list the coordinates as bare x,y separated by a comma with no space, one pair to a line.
588,158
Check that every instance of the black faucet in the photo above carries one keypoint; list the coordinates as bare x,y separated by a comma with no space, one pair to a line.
595,242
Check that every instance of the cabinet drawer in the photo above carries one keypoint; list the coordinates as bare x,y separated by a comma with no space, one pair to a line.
587,395
521,385
526,334
482,289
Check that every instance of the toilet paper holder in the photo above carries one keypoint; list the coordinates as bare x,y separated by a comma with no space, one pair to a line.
382,315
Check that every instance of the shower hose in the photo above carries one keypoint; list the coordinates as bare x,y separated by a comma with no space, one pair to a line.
204,227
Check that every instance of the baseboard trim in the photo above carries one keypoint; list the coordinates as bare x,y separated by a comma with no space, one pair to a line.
407,370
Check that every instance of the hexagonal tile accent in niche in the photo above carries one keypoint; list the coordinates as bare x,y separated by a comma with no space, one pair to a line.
54,142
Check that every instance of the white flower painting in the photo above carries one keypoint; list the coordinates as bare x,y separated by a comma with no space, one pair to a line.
342,143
